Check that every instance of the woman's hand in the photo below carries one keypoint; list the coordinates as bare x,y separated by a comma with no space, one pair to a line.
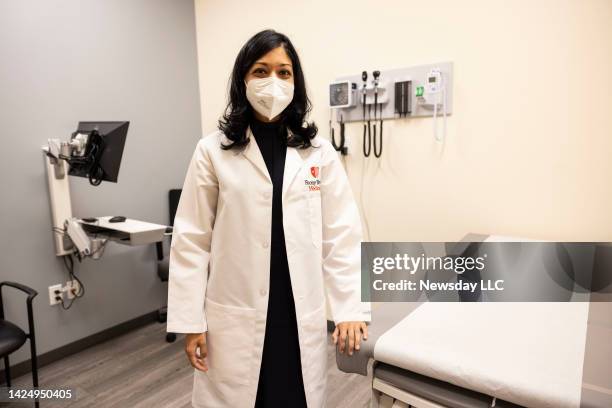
195,342
353,331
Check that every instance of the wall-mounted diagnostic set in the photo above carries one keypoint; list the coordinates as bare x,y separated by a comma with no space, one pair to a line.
372,98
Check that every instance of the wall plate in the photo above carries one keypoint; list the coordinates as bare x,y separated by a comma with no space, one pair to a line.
52,294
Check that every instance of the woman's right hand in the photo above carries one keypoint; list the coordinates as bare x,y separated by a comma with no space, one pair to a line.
195,347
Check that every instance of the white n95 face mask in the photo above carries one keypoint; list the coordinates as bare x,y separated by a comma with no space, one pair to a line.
269,96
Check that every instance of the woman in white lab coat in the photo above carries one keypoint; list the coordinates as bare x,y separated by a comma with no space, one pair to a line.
266,226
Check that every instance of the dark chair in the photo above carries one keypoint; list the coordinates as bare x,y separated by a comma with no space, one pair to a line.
163,262
12,337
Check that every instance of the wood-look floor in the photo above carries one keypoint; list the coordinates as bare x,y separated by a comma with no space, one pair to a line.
141,370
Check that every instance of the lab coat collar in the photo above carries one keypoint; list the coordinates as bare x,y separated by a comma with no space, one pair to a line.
293,160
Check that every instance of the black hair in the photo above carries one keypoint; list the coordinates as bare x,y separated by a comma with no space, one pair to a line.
239,112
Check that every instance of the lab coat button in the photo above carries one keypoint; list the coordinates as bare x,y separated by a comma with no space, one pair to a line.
263,292
265,244
267,195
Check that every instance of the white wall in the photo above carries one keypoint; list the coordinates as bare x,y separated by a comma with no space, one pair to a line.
529,144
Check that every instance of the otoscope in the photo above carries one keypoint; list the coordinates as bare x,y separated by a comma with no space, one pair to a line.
366,152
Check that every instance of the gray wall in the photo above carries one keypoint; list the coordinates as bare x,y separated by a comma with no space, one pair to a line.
70,60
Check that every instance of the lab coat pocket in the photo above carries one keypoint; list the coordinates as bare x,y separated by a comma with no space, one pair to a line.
314,344
230,341
313,198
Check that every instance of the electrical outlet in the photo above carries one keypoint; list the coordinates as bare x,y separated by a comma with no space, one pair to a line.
53,295
72,288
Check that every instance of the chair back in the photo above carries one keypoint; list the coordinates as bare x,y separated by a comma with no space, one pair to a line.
174,197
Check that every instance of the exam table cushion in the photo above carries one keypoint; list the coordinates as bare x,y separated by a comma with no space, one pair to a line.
11,337
441,392
527,353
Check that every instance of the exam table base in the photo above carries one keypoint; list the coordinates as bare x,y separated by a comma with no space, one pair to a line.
394,387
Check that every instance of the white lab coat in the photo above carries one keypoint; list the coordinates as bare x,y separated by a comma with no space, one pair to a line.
220,262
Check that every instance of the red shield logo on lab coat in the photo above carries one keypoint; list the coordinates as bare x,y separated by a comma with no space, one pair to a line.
314,171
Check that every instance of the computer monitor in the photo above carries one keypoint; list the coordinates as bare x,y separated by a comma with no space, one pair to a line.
102,156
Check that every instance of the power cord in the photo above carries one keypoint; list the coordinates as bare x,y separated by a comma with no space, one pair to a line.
363,209
69,265
436,112
95,172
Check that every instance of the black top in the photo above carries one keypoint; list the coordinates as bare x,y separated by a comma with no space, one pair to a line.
280,376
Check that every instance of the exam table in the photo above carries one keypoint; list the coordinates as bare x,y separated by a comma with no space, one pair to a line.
506,354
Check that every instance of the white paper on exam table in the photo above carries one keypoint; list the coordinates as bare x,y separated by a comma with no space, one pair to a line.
528,353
